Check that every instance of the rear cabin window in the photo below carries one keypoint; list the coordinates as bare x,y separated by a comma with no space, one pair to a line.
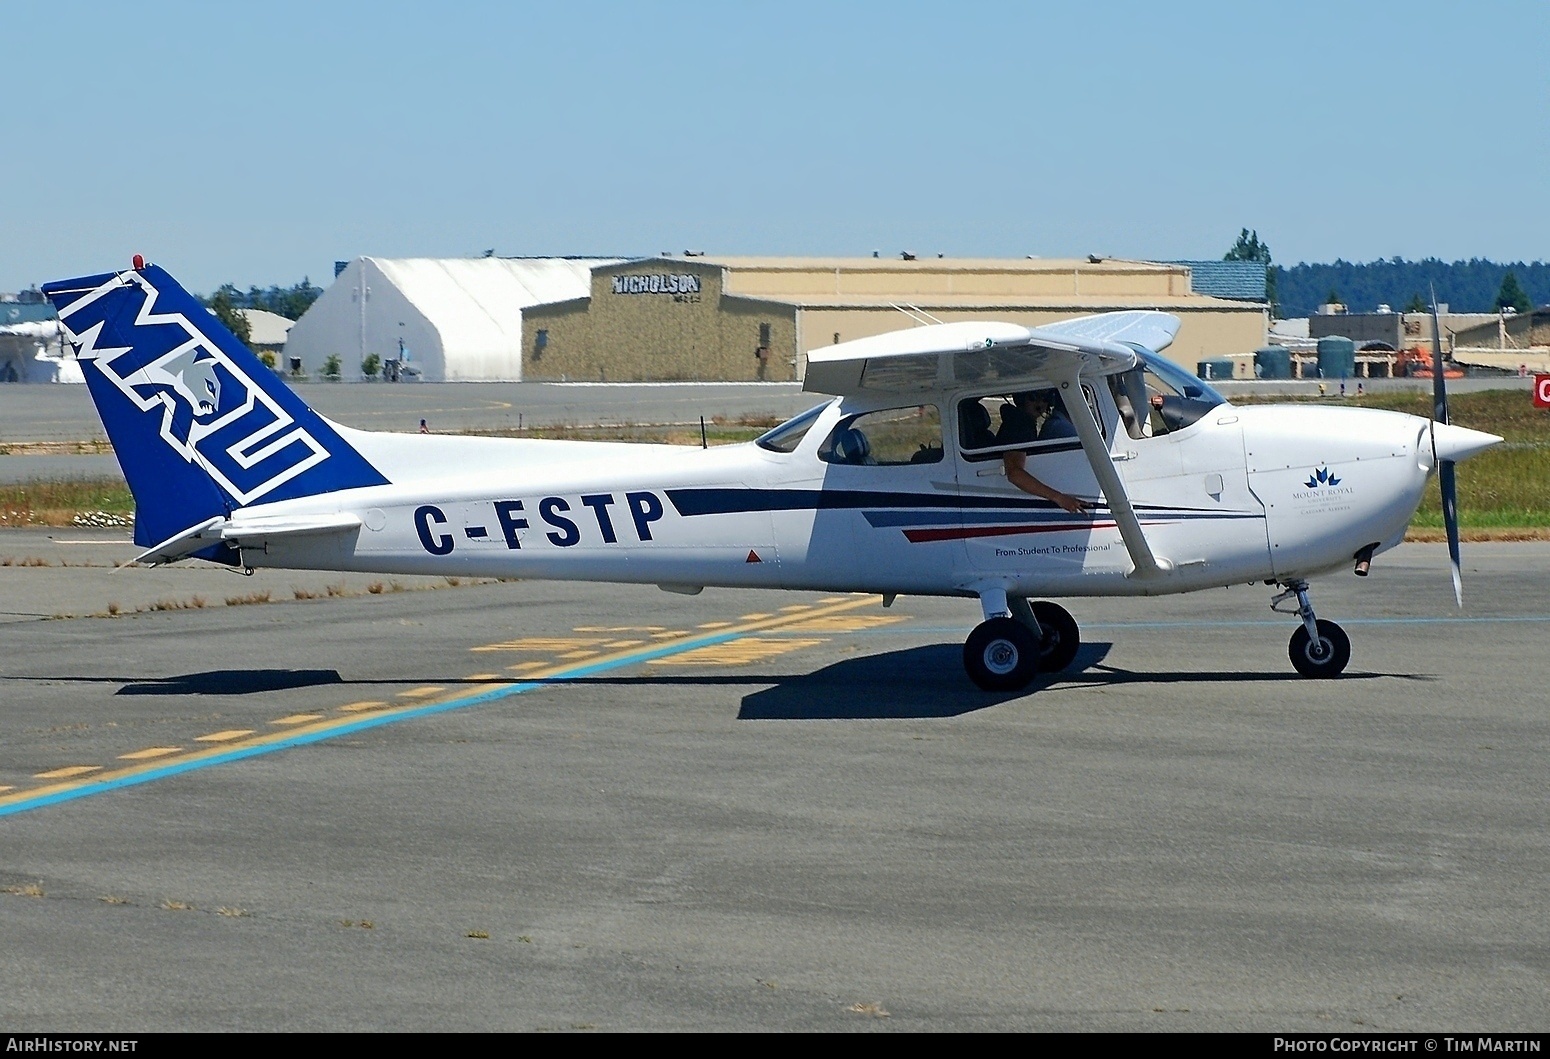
787,436
887,438
1026,421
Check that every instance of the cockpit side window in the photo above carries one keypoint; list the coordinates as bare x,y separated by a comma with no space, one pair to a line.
1030,421
890,437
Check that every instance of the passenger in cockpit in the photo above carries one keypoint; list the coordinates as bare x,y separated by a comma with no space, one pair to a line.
1020,424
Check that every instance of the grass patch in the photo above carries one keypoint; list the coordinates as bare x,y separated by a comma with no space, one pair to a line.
59,503
193,603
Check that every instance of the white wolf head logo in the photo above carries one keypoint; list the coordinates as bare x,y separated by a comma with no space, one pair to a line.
192,379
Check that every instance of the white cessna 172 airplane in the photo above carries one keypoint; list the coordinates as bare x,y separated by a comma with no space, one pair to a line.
1112,473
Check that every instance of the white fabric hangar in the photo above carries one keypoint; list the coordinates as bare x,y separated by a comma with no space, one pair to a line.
448,319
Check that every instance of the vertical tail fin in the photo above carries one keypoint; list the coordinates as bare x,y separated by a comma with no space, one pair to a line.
199,424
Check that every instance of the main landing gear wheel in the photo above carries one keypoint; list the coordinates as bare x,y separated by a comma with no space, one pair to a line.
1001,654
1325,657
1061,637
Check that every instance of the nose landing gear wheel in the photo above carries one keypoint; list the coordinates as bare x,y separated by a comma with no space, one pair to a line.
1062,638
1325,657
1001,654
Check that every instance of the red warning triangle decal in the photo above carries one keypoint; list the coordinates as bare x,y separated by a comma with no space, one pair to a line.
753,557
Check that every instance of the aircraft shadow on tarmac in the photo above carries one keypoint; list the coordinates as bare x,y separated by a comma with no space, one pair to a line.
897,685
928,682
924,681
233,682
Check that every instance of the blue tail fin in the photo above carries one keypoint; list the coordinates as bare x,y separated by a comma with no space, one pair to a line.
200,425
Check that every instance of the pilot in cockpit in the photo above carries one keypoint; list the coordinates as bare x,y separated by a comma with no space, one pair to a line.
1029,418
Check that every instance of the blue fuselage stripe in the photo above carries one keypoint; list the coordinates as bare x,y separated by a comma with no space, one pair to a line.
731,501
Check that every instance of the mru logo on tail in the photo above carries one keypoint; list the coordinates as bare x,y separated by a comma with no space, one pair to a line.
191,378
212,413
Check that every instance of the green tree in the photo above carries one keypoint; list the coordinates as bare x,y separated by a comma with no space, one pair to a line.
1416,304
1511,296
1249,248
299,299
331,366
1333,297
222,305
370,365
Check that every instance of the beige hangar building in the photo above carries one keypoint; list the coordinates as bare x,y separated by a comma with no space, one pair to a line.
694,317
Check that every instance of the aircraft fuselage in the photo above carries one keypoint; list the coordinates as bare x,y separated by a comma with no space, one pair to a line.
1243,494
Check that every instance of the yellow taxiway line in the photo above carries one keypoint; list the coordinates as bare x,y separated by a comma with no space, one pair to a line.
236,744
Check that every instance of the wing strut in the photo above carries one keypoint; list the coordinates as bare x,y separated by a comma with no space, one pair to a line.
1147,565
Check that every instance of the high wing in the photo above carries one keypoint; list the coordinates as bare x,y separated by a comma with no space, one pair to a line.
946,356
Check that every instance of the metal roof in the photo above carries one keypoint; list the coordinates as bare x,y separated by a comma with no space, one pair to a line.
1239,280
929,263
266,328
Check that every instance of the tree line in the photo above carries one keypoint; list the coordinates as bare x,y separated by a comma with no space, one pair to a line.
1472,286
289,302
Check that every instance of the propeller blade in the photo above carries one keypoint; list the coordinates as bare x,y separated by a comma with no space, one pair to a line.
1450,519
1445,477
1439,387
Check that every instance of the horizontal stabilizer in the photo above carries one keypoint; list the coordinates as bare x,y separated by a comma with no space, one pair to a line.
242,532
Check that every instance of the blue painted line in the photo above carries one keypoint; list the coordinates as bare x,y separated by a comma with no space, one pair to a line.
175,768
1291,620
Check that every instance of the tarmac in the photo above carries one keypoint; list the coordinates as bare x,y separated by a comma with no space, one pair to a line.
529,806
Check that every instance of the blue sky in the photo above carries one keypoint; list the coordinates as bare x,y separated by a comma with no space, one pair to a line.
258,143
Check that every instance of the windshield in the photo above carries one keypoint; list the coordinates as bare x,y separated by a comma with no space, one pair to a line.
787,436
1158,397
1186,384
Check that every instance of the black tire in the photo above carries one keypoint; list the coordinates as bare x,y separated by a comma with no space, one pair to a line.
1325,658
1061,639
1001,654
